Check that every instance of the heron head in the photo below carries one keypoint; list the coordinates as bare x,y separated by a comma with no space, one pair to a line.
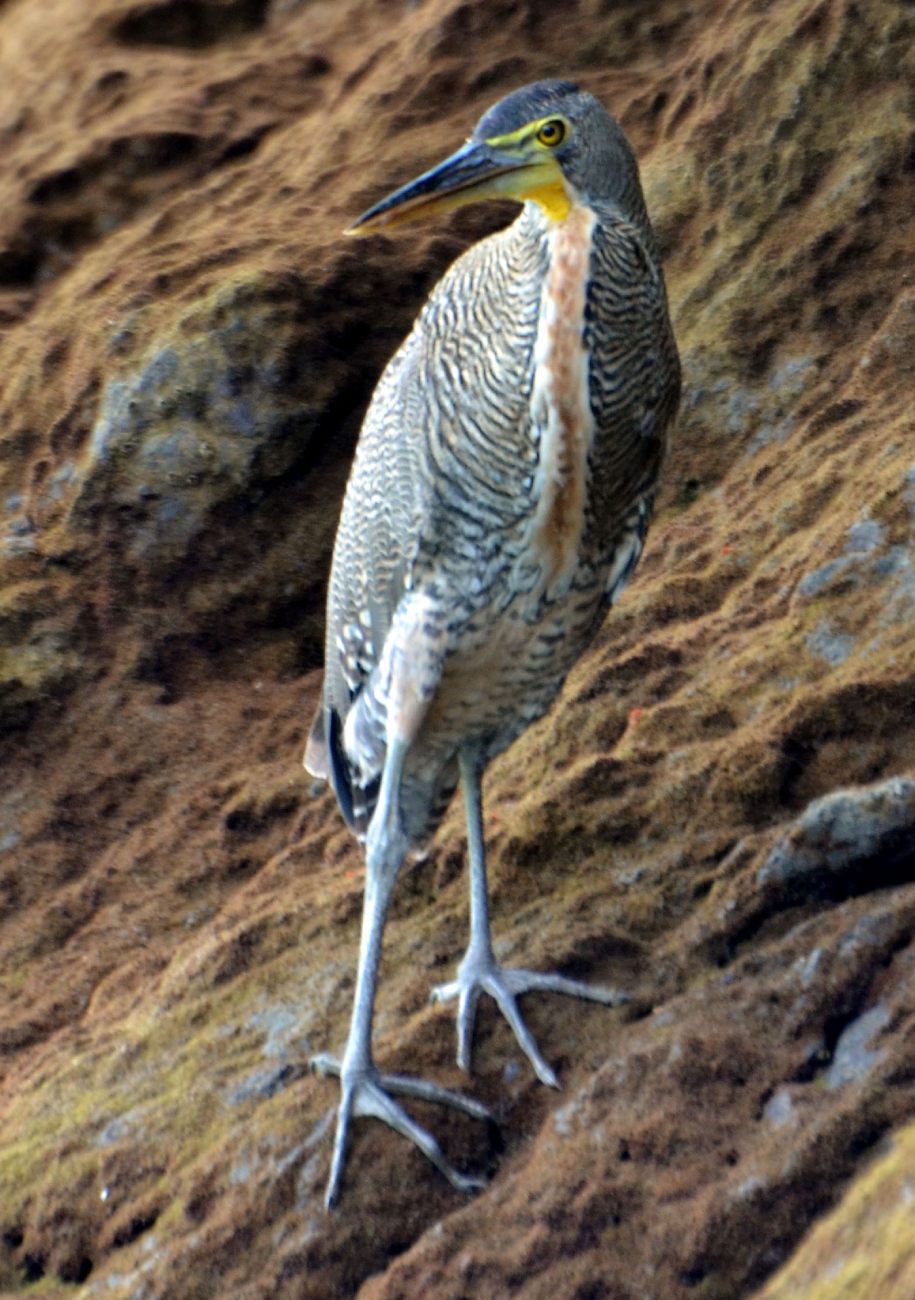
548,143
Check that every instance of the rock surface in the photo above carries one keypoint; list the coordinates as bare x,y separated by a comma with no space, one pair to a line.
719,816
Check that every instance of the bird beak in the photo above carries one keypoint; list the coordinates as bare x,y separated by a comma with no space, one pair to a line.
476,171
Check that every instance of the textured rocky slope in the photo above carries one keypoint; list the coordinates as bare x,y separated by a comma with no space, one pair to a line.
720,814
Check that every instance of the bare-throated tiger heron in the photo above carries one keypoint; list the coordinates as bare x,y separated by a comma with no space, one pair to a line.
498,502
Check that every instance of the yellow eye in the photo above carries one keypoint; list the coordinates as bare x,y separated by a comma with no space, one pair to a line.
552,133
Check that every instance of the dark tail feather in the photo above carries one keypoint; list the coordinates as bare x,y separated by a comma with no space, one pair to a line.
340,772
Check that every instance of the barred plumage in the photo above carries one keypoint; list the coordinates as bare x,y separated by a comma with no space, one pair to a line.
498,502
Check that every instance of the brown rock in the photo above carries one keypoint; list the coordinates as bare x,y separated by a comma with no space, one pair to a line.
718,816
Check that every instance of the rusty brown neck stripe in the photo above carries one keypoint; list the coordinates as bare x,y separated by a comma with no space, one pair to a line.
560,404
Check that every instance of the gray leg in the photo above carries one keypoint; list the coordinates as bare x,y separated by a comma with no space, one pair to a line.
479,972
363,1090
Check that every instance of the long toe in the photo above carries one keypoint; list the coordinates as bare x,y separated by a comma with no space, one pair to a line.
370,1094
532,981
478,975
499,988
467,991
374,1100
405,1085
326,1064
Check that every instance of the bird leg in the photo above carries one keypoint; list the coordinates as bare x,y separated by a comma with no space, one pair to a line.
363,1089
479,971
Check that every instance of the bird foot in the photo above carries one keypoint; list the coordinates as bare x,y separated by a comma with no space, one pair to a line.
482,974
367,1092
